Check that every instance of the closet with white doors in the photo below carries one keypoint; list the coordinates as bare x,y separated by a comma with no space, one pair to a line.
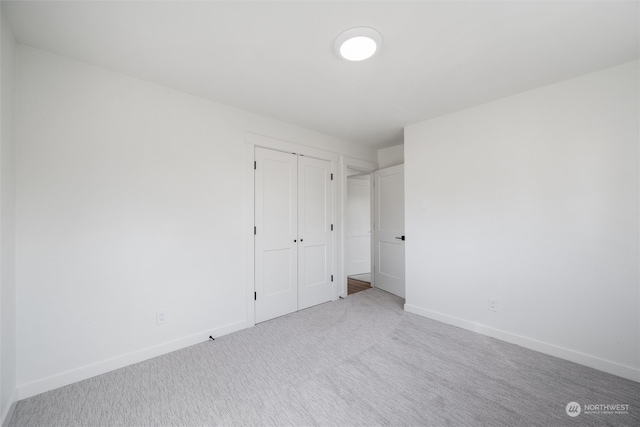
293,233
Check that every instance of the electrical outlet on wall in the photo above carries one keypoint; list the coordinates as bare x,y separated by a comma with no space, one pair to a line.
493,304
161,316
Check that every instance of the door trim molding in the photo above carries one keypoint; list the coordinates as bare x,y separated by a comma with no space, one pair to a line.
253,140
250,314
364,166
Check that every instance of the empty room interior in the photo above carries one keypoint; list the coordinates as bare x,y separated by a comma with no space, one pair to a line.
319,213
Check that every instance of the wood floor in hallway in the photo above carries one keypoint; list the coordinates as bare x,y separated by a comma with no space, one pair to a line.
355,285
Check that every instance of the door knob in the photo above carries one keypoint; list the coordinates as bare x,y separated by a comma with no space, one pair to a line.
400,238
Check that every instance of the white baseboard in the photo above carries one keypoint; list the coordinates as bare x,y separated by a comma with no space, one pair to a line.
8,412
595,362
88,371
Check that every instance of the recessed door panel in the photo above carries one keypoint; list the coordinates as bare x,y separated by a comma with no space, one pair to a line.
391,209
277,272
315,265
279,185
390,259
313,195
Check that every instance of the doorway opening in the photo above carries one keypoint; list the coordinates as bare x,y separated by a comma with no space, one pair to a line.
358,231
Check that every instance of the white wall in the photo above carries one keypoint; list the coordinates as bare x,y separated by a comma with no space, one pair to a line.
391,156
533,199
130,199
7,221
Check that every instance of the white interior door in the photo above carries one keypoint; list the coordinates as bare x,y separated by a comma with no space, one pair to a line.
276,211
389,230
314,231
358,225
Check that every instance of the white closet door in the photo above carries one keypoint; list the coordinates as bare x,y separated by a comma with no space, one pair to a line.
314,230
389,230
276,210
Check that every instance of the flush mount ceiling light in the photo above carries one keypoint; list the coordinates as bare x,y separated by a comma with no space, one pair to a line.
358,43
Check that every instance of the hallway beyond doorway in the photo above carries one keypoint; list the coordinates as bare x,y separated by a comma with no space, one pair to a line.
358,282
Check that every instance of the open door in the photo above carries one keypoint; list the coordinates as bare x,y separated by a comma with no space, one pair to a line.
388,247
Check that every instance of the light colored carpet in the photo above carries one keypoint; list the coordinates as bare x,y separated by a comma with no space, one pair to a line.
358,361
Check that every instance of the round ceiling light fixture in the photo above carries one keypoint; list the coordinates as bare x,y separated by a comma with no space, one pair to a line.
358,43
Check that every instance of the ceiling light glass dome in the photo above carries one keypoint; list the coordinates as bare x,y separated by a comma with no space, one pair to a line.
358,43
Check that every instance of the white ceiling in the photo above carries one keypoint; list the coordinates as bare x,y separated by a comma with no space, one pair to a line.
277,59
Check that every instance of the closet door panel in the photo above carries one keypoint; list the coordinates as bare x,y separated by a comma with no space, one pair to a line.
276,211
314,230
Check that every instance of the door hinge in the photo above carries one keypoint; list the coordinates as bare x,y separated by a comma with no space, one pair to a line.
331,227
255,165
255,296
331,177
332,277
255,231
